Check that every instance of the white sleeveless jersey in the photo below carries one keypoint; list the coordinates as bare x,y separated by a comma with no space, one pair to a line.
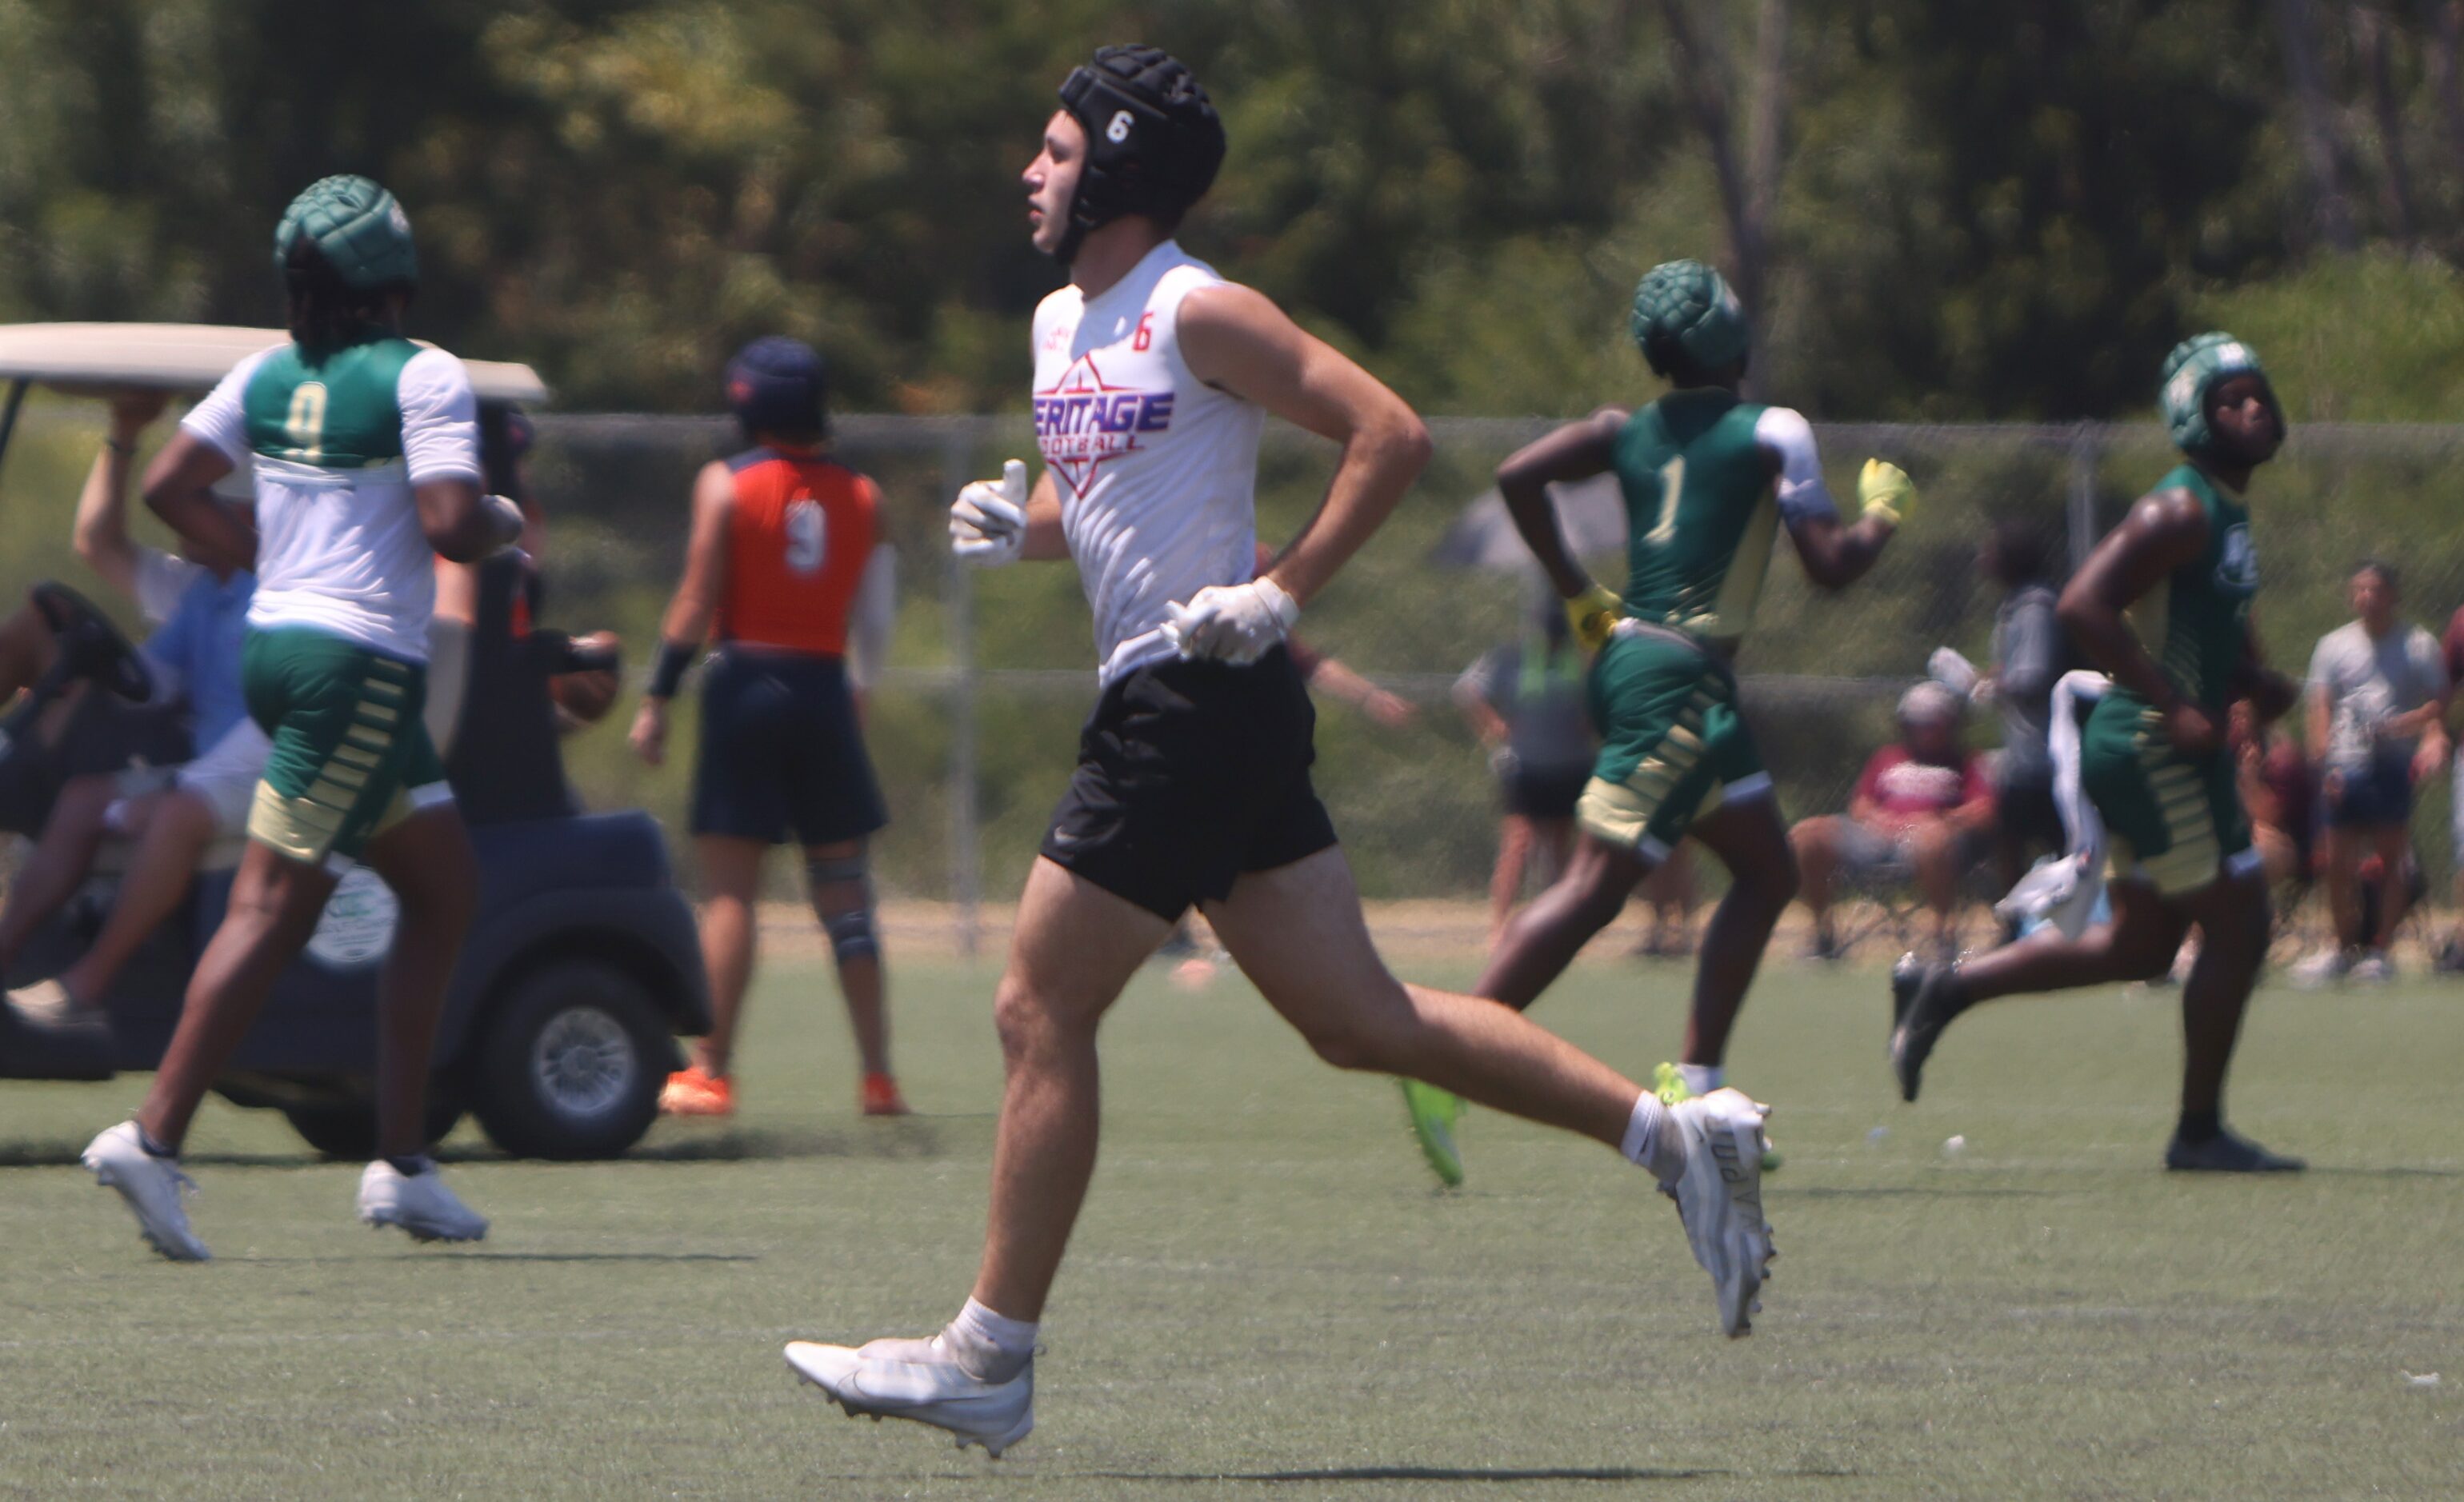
1157,471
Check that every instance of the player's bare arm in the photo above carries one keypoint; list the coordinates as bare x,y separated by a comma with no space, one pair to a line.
689,612
2162,531
1575,451
179,489
1238,341
1834,555
461,523
1044,541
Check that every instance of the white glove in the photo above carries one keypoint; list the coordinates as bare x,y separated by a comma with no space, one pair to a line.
1236,624
988,521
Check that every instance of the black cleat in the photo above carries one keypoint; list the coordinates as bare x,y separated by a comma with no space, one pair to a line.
1929,1010
2226,1153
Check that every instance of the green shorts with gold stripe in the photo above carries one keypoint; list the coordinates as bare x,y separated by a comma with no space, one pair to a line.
1672,746
351,756
2173,820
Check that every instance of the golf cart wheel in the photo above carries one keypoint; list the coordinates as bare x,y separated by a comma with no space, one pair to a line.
346,1131
573,1062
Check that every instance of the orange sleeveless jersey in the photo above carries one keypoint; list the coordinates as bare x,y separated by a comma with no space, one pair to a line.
797,538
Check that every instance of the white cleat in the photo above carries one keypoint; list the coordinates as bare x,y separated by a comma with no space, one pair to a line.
1720,1198
419,1203
151,1185
920,1379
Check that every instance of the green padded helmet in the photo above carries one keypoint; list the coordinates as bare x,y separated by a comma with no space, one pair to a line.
1686,306
357,225
2193,372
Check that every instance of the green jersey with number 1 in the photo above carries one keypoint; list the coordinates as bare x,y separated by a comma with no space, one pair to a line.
1702,508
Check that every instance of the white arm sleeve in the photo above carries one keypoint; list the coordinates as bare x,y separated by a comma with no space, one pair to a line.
875,613
221,419
1802,495
440,419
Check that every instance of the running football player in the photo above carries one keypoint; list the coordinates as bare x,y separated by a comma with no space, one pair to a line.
1709,481
781,535
1152,379
2163,606
366,455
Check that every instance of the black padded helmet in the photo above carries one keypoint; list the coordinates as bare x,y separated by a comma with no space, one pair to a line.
1154,141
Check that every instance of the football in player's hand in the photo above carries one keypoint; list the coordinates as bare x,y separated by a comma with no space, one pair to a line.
586,697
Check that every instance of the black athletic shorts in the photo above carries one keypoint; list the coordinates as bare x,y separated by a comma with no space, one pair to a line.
1189,775
1546,794
2026,813
782,755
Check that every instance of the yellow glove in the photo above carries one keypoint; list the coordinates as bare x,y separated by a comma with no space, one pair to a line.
1592,613
1885,490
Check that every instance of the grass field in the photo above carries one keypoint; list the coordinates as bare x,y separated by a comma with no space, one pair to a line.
1267,1299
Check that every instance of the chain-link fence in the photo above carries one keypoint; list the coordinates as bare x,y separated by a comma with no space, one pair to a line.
974,725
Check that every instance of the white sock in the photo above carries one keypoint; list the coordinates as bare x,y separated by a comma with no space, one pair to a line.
1651,1140
1702,1080
990,1346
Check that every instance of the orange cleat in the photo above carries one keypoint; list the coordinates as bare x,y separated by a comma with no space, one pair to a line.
691,1092
881,1096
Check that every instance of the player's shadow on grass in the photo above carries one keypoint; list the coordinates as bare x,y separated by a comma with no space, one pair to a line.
1506,1476
67,1155
460,1255
1922,1191
896,1141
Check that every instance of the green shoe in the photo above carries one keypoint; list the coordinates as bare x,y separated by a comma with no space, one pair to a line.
1667,1083
1434,1115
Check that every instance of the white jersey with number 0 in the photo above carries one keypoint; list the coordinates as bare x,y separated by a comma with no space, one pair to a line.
1157,471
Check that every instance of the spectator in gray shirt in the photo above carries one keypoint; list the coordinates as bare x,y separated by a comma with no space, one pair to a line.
2377,701
2028,657
1527,702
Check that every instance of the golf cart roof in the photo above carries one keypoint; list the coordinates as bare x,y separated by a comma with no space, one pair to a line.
185,357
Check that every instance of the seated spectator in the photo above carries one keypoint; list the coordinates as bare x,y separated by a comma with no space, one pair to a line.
172,813
1918,814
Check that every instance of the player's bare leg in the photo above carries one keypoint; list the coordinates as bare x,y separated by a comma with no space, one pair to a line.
729,929
842,896
427,861
1544,938
1749,840
2146,931
2234,920
1297,933
275,903
1076,946
1514,842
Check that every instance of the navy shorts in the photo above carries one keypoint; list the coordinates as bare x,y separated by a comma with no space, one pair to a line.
1190,774
782,755
2370,796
